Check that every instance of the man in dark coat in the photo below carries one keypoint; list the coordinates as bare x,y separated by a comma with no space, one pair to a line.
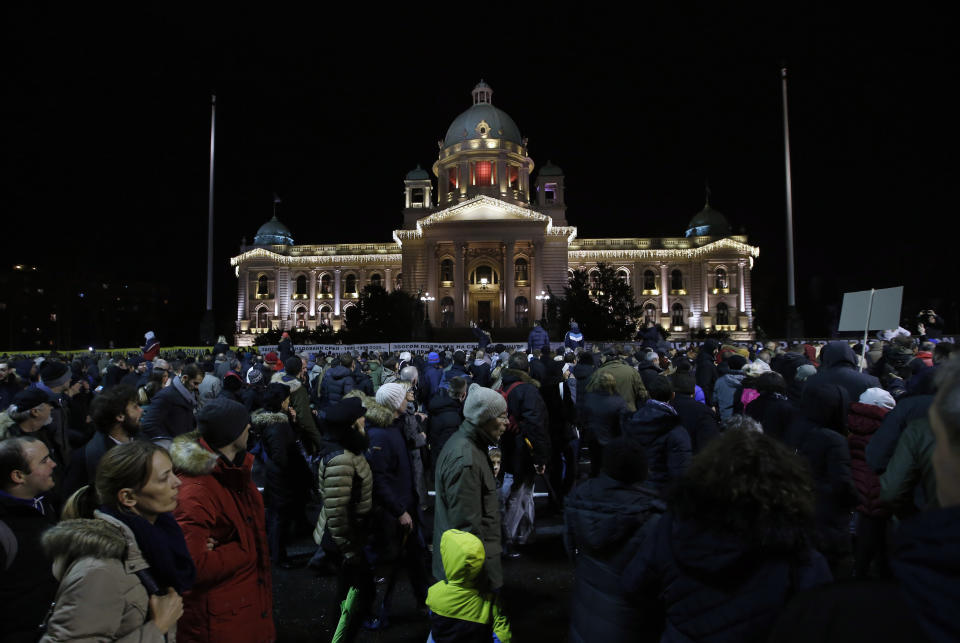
337,382
838,366
772,408
656,426
705,368
818,433
602,415
649,367
604,519
480,369
696,417
538,337
10,383
285,347
457,369
446,414
27,586
116,415
574,338
171,411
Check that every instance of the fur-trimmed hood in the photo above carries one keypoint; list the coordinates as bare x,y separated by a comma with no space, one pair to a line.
377,414
511,375
262,419
281,377
102,537
191,457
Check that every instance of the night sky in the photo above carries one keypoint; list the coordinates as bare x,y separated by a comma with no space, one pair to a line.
106,133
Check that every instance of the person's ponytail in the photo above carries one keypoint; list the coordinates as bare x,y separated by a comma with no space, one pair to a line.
81,504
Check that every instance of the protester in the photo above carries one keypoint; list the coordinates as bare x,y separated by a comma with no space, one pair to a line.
219,503
459,610
292,377
337,382
733,547
656,426
121,557
696,417
466,489
604,519
27,586
601,418
629,383
446,414
574,338
171,411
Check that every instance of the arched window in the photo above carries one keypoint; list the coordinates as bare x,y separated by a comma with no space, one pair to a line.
623,276
351,288
676,280
325,315
522,312
398,282
263,286
520,269
302,286
723,314
263,318
649,280
301,316
446,312
325,287
376,280
594,280
650,312
722,283
484,272
677,314
446,271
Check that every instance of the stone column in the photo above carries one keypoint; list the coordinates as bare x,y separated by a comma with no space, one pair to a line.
740,288
663,288
459,248
705,268
283,297
431,285
243,297
336,292
389,278
538,279
509,249
313,294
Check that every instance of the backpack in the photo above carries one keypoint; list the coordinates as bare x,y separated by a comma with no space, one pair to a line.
512,425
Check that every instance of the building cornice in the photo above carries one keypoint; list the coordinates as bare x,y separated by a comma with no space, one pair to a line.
315,259
714,247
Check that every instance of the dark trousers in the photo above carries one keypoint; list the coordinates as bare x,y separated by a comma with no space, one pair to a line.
279,524
871,545
412,557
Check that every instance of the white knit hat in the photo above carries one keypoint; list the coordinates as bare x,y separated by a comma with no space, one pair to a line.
482,404
393,396
878,397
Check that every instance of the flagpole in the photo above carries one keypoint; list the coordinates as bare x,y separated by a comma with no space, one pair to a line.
792,317
213,124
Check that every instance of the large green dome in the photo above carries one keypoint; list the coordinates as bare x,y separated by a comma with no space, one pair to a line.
708,223
482,120
273,233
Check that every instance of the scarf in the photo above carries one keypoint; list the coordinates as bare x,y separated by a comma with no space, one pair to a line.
163,546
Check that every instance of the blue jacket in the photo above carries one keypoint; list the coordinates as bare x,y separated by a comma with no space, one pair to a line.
455,370
538,338
337,382
574,338
657,427
725,393
714,586
393,487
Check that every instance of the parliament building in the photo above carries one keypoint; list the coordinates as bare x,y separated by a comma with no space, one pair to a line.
482,239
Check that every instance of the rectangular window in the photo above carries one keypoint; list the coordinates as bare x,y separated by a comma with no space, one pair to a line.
550,192
453,178
481,173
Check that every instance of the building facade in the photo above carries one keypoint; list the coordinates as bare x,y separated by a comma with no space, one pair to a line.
485,242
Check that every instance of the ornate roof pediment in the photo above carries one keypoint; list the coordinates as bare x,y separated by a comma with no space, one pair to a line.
483,208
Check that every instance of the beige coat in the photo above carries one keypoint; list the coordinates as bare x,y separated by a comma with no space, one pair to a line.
100,597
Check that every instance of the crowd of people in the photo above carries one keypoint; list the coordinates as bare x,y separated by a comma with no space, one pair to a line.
724,492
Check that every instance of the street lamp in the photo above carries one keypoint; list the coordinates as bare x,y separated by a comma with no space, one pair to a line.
426,299
543,297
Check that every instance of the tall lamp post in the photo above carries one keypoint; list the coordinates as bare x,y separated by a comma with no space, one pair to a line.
543,298
426,298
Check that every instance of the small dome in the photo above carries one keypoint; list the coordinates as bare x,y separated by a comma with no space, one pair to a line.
273,233
550,170
482,120
708,223
417,174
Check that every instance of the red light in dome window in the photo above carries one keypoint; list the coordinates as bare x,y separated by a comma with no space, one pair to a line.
513,172
452,177
484,173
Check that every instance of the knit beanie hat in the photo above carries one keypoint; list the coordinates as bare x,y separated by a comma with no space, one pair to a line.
54,374
736,362
254,375
433,358
405,356
878,397
293,365
482,404
221,421
393,396
344,413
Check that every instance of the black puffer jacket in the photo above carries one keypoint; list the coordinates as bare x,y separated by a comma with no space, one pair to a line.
657,427
715,586
774,412
604,521
446,414
337,382
170,412
698,419
288,477
705,368
526,406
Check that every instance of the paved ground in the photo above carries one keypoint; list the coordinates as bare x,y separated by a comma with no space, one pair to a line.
537,590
